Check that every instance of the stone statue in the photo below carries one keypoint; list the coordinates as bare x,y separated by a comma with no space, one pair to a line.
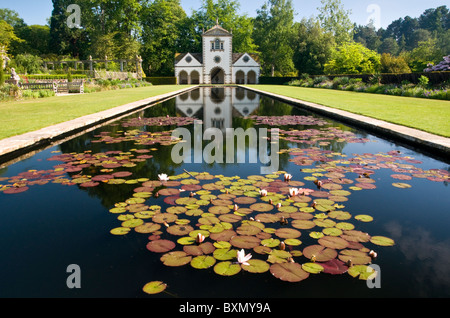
15,77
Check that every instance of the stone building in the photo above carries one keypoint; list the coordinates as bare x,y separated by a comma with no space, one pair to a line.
217,64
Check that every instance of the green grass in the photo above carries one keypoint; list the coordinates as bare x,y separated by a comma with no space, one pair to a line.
29,115
428,115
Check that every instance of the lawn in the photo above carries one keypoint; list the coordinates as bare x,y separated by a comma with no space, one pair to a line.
29,115
428,115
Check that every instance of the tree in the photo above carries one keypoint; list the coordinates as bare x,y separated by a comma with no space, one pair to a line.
274,33
392,64
390,46
161,22
226,12
35,40
313,47
335,19
427,52
367,35
7,35
12,18
353,58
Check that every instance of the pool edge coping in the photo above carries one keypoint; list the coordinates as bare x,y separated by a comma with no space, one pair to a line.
15,146
410,136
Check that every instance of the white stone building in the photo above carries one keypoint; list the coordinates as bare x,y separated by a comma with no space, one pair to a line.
217,64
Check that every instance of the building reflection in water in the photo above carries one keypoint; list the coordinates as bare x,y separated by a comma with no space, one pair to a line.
218,105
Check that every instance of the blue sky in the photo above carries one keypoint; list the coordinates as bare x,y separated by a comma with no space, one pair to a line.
37,11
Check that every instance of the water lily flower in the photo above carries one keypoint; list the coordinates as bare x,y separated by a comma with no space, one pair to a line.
293,192
303,191
263,192
287,177
318,183
373,254
236,207
200,238
163,177
279,205
242,258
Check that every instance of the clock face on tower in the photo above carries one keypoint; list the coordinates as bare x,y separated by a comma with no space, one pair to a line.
217,59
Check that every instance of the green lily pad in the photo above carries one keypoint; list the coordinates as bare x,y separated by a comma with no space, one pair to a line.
271,242
256,266
312,268
120,231
186,240
154,287
364,272
203,262
227,268
364,218
382,241
224,254
222,245
401,185
292,242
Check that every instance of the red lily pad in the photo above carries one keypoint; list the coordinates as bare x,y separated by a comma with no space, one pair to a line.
334,267
160,246
15,190
245,241
319,253
289,272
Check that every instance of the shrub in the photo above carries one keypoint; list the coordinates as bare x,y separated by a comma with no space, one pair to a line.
423,81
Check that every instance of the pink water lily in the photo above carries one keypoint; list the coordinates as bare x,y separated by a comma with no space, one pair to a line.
303,191
242,258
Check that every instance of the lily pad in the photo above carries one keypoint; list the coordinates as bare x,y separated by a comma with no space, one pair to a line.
225,254
160,246
319,253
154,287
287,233
312,268
262,207
363,272
364,218
177,258
120,231
334,267
179,229
355,257
245,241
202,249
256,266
148,227
401,185
203,262
227,268
290,272
382,241
333,242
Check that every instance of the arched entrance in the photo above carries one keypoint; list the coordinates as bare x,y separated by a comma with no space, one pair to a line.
217,76
240,77
251,77
195,77
183,78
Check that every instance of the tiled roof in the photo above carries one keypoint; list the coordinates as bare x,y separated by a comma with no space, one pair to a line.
180,56
217,30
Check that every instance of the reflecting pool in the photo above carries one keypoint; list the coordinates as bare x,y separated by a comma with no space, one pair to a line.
100,202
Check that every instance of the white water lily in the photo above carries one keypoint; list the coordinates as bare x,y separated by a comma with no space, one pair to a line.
242,258
287,177
263,192
163,177
293,192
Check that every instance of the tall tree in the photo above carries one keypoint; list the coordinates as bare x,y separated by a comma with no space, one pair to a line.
227,13
162,21
353,58
313,46
334,18
274,35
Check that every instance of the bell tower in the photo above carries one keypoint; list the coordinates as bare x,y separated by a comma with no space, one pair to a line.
217,55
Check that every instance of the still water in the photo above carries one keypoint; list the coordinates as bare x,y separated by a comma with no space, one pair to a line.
63,216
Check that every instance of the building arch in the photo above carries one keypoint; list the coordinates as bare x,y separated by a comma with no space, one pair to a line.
195,77
251,77
240,77
217,75
183,78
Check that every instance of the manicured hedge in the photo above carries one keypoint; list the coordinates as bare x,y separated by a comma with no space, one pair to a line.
434,77
161,80
54,76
